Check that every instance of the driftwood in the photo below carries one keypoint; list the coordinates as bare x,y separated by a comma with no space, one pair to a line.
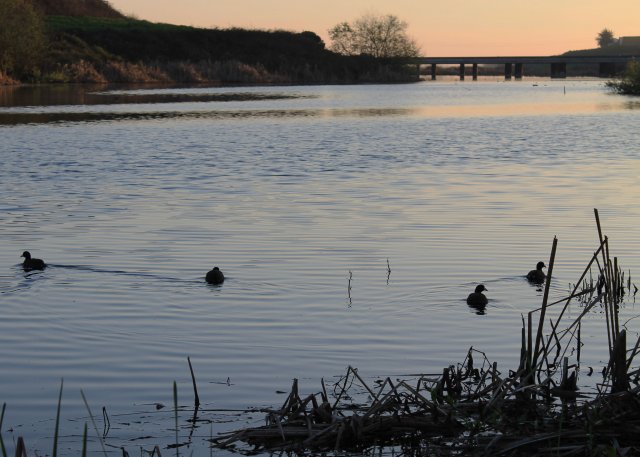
472,408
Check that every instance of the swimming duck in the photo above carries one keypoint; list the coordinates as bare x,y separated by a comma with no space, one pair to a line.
537,275
215,276
477,299
32,264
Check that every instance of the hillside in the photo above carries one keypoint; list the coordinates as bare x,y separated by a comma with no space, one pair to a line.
99,49
89,41
75,8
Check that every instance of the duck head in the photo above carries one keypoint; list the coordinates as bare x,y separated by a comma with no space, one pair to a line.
480,288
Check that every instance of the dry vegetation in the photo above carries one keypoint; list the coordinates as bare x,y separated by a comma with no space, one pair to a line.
472,408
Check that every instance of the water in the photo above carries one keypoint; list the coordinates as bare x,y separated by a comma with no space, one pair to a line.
132,195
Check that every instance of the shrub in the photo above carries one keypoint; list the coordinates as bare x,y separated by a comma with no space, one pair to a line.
22,38
629,84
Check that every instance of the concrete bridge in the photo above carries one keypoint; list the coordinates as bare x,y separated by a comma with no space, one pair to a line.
514,65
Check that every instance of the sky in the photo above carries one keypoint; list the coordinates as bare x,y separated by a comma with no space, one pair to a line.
440,27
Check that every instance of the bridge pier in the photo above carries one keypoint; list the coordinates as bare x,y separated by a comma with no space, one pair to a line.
514,65
558,70
518,72
507,71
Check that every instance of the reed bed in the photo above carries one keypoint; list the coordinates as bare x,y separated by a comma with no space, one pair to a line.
472,408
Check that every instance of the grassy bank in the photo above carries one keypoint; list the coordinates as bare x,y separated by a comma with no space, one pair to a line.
81,49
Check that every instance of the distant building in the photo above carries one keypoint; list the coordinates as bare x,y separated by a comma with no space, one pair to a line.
629,41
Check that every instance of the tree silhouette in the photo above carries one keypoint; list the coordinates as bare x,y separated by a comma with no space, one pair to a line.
605,38
377,36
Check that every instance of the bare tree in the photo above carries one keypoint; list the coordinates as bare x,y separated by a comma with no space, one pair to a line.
378,36
605,38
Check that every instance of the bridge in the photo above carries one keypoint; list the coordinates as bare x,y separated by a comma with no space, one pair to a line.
514,65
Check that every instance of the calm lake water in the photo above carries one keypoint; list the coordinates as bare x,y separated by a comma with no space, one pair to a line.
131,196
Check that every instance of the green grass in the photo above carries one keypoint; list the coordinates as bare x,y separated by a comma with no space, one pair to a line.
93,24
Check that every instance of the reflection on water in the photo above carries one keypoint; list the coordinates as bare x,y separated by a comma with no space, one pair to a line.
64,117
306,198
78,94
63,104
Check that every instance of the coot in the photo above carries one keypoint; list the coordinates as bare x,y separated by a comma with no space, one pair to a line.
32,264
215,276
537,275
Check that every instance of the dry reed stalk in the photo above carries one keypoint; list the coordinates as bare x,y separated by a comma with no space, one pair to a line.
545,299
84,440
57,426
618,364
2,448
517,404
21,449
175,413
195,387
106,421
607,276
93,421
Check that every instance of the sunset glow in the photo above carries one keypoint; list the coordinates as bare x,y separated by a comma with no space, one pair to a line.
472,27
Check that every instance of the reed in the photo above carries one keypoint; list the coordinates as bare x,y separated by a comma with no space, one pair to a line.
54,453
175,413
2,448
195,387
84,441
21,448
106,422
93,422
471,406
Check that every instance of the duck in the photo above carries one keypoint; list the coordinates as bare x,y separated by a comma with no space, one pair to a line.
215,276
537,275
477,299
32,264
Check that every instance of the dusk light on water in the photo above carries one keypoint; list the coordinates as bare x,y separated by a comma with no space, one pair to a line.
282,229
130,205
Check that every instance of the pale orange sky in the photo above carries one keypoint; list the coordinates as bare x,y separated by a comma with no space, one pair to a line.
441,27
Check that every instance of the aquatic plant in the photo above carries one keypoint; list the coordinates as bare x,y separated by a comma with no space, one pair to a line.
629,83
